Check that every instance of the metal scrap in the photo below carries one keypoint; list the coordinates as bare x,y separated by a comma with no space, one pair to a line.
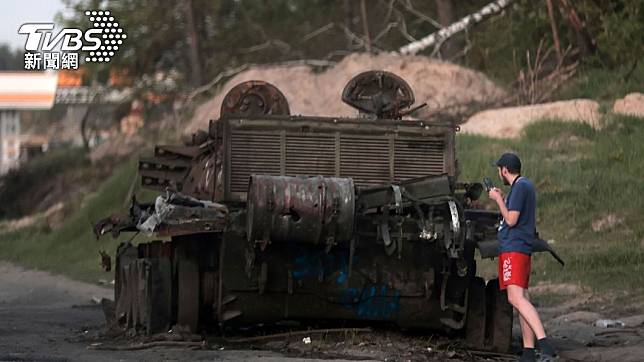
175,209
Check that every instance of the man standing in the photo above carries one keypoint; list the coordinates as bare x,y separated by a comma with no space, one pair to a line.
515,234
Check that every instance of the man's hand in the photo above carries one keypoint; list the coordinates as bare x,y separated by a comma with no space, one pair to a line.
510,217
495,194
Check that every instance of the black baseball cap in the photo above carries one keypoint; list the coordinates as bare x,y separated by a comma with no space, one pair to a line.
509,160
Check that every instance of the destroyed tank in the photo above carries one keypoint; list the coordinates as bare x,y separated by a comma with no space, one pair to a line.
269,217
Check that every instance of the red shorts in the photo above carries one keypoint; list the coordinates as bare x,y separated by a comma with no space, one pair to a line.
514,268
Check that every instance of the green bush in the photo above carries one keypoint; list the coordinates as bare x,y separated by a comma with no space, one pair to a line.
21,188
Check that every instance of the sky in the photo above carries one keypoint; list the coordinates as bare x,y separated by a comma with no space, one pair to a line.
14,13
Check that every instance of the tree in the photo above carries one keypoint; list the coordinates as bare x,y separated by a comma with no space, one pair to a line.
195,62
11,59
446,16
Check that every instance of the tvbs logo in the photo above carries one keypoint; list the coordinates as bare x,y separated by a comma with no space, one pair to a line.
72,39
101,42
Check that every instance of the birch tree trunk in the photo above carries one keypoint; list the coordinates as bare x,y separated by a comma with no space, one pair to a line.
438,37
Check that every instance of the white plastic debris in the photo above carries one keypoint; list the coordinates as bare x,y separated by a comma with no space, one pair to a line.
609,323
161,209
306,340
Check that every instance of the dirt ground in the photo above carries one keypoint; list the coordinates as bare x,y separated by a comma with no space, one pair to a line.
509,122
51,318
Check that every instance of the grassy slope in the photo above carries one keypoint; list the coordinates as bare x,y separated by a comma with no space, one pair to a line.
582,175
72,249
604,85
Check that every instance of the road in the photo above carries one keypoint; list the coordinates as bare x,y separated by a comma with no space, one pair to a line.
52,318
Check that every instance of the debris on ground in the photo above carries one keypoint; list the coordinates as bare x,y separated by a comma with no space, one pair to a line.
609,323
139,346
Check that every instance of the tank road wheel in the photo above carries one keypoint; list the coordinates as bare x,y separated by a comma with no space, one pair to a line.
499,318
476,311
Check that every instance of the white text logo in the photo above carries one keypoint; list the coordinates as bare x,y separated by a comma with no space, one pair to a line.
101,42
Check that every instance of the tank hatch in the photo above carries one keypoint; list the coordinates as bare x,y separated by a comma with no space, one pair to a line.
379,94
254,98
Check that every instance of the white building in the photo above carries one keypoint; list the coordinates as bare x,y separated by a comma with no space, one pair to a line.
21,91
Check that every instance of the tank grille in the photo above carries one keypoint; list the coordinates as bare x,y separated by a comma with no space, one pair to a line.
252,153
310,155
370,160
366,160
415,158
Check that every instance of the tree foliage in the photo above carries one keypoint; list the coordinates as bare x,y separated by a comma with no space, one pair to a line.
11,59
614,28
619,29
233,32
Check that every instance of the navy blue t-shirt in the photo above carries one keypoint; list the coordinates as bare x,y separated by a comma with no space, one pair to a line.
522,198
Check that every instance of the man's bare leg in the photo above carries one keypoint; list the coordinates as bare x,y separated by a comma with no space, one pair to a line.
526,331
526,310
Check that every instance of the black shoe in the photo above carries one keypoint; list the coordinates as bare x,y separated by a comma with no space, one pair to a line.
527,355
527,359
548,353
547,358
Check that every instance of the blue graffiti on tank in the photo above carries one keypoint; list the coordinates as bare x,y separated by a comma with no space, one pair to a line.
373,302
311,265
